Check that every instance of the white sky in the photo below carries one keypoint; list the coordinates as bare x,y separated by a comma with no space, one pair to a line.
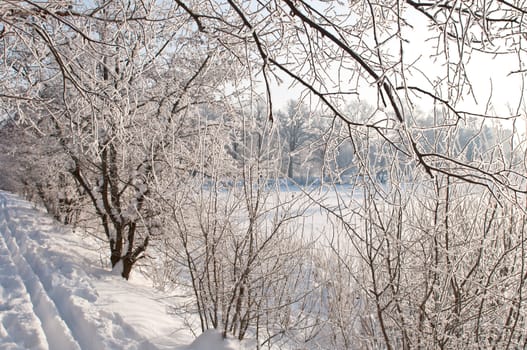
489,75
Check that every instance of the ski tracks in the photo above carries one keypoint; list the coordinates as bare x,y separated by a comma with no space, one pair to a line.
19,324
46,299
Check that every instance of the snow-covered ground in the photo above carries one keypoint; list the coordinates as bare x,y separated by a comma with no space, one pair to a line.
55,295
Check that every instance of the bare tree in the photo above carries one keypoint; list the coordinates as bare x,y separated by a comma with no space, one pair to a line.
431,256
427,262
32,167
237,240
335,51
295,133
112,84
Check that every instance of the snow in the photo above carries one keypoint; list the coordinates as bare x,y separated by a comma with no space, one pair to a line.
212,339
55,295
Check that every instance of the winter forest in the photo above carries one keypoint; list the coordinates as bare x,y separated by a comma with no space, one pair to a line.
314,174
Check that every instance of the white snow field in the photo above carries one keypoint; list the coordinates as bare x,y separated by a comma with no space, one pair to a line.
54,294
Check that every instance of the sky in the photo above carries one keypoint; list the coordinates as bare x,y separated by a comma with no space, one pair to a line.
494,89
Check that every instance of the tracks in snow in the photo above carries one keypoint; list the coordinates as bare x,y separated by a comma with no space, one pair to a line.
54,333
17,315
47,299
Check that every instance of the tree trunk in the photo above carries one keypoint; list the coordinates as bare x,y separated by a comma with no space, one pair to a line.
290,167
128,263
115,254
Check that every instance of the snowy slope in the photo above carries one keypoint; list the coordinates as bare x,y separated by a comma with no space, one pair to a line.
53,295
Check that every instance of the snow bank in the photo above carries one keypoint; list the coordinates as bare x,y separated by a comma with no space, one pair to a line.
213,340
53,295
